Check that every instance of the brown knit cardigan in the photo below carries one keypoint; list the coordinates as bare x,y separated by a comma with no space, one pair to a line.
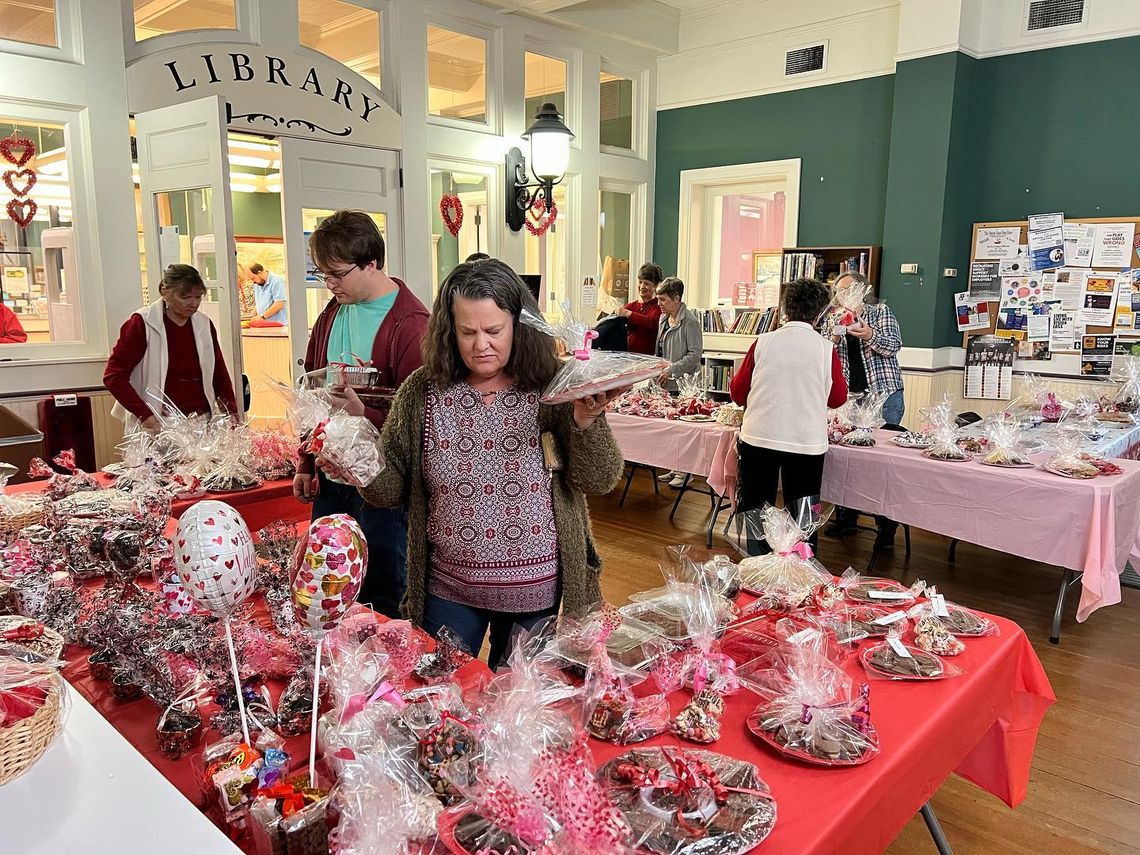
591,465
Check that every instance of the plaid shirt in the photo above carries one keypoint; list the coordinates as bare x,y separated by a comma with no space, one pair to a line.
880,351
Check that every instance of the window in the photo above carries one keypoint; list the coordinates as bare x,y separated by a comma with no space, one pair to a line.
449,250
749,223
544,80
616,113
28,21
546,256
614,226
158,17
38,275
344,32
457,75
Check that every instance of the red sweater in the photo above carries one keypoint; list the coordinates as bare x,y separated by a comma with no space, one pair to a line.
183,374
395,350
11,331
642,321
742,380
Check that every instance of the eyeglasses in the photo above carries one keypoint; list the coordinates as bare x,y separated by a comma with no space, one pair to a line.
324,278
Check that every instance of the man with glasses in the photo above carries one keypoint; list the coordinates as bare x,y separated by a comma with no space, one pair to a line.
374,318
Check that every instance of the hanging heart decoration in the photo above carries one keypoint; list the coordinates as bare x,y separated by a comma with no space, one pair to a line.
451,209
539,218
22,211
29,176
18,150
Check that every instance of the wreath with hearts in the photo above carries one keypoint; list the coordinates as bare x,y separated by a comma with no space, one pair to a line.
540,218
451,209
18,150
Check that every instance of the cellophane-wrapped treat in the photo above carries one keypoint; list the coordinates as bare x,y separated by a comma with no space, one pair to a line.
290,816
1067,460
894,660
864,414
450,654
689,802
692,402
852,623
587,371
347,447
649,715
630,644
813,711
785,578
849,304
958,620
16,512
647,399
879,591
33,708
272,454
1006,434
1126,372
60,485
943,433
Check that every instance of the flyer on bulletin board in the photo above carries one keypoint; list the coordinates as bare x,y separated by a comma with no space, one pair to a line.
1098,300
1063,332
1046,241
997,242
1079,240
989,368
1096,355
985,282
1113,245
971,314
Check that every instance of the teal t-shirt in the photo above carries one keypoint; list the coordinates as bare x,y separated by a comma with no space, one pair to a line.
354,329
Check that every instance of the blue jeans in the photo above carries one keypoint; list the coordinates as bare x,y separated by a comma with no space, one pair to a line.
471,624
385,530
894,407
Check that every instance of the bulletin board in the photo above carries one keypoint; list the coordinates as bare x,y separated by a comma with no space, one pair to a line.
1023,226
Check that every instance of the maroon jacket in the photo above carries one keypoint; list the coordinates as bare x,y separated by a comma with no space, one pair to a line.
395,350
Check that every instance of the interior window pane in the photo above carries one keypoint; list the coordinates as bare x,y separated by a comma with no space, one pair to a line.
457,75
344,32
447,249
546,257
616,111
545,80
614,240
750,223
38,277
28,21
158,17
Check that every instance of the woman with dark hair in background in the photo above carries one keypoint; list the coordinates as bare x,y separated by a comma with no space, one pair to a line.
787,382
169,351
494,481
644,313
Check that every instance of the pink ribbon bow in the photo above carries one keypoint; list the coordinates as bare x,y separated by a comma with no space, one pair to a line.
726,668
802,549
356,703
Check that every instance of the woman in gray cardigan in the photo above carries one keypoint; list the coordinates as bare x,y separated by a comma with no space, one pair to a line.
679,335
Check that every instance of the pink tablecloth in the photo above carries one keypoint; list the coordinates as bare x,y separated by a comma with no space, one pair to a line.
1092,526
707,449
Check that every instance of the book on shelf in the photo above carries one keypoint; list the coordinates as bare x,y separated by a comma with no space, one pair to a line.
716,320
718,376
754,321
798,265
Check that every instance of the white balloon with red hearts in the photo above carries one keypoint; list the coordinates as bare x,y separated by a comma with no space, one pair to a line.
215,556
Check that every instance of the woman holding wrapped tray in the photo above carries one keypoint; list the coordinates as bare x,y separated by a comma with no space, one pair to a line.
494,481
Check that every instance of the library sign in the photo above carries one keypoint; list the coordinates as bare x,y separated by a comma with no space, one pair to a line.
274,93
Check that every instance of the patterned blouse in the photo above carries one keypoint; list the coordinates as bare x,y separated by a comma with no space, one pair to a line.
490,515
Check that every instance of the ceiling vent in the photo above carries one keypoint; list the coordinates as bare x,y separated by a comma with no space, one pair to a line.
1049,14
804,60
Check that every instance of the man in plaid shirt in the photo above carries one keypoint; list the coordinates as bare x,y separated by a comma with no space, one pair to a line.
868,351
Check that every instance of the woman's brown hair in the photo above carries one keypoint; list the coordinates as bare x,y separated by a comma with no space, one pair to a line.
532,362
181,279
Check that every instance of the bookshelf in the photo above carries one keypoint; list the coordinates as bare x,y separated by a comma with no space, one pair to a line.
826,263
717,370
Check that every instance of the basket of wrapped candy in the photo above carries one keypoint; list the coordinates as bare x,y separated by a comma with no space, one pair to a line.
32,701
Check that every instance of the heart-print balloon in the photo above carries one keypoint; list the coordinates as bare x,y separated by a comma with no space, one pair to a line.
218,577
328,572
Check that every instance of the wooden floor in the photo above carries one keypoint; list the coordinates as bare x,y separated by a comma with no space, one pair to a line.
1084,794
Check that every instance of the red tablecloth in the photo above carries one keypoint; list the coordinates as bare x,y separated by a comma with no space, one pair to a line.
273,500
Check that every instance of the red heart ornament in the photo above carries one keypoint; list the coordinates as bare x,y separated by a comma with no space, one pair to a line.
11,145
451,210
22,211
542,218
29,177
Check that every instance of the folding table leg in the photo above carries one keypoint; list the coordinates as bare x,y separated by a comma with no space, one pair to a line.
680,493
712,520
656,483
935,829
1066,581
628,481
953,548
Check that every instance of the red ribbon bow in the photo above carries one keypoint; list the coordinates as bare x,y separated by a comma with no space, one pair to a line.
24,632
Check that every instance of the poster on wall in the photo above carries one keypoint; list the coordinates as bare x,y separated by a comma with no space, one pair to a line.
1096,355
1018,292
985,282
997,242
1098,300
1079,240
1123,351
1036,351
1046,241
1012,323
1063,332
1068,287
1039,322
1113,245
1125,316
989,368
971,314
1016,264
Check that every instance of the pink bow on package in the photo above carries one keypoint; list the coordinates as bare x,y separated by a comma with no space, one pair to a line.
787,577
587,371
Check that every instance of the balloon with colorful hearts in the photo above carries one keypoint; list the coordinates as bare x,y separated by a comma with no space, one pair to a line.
327,579
215,557
217,563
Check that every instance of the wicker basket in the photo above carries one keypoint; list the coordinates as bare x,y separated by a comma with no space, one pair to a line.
15,521
49,645
22,744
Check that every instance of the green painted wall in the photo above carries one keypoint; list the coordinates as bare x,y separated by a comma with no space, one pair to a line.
257,214
841,132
